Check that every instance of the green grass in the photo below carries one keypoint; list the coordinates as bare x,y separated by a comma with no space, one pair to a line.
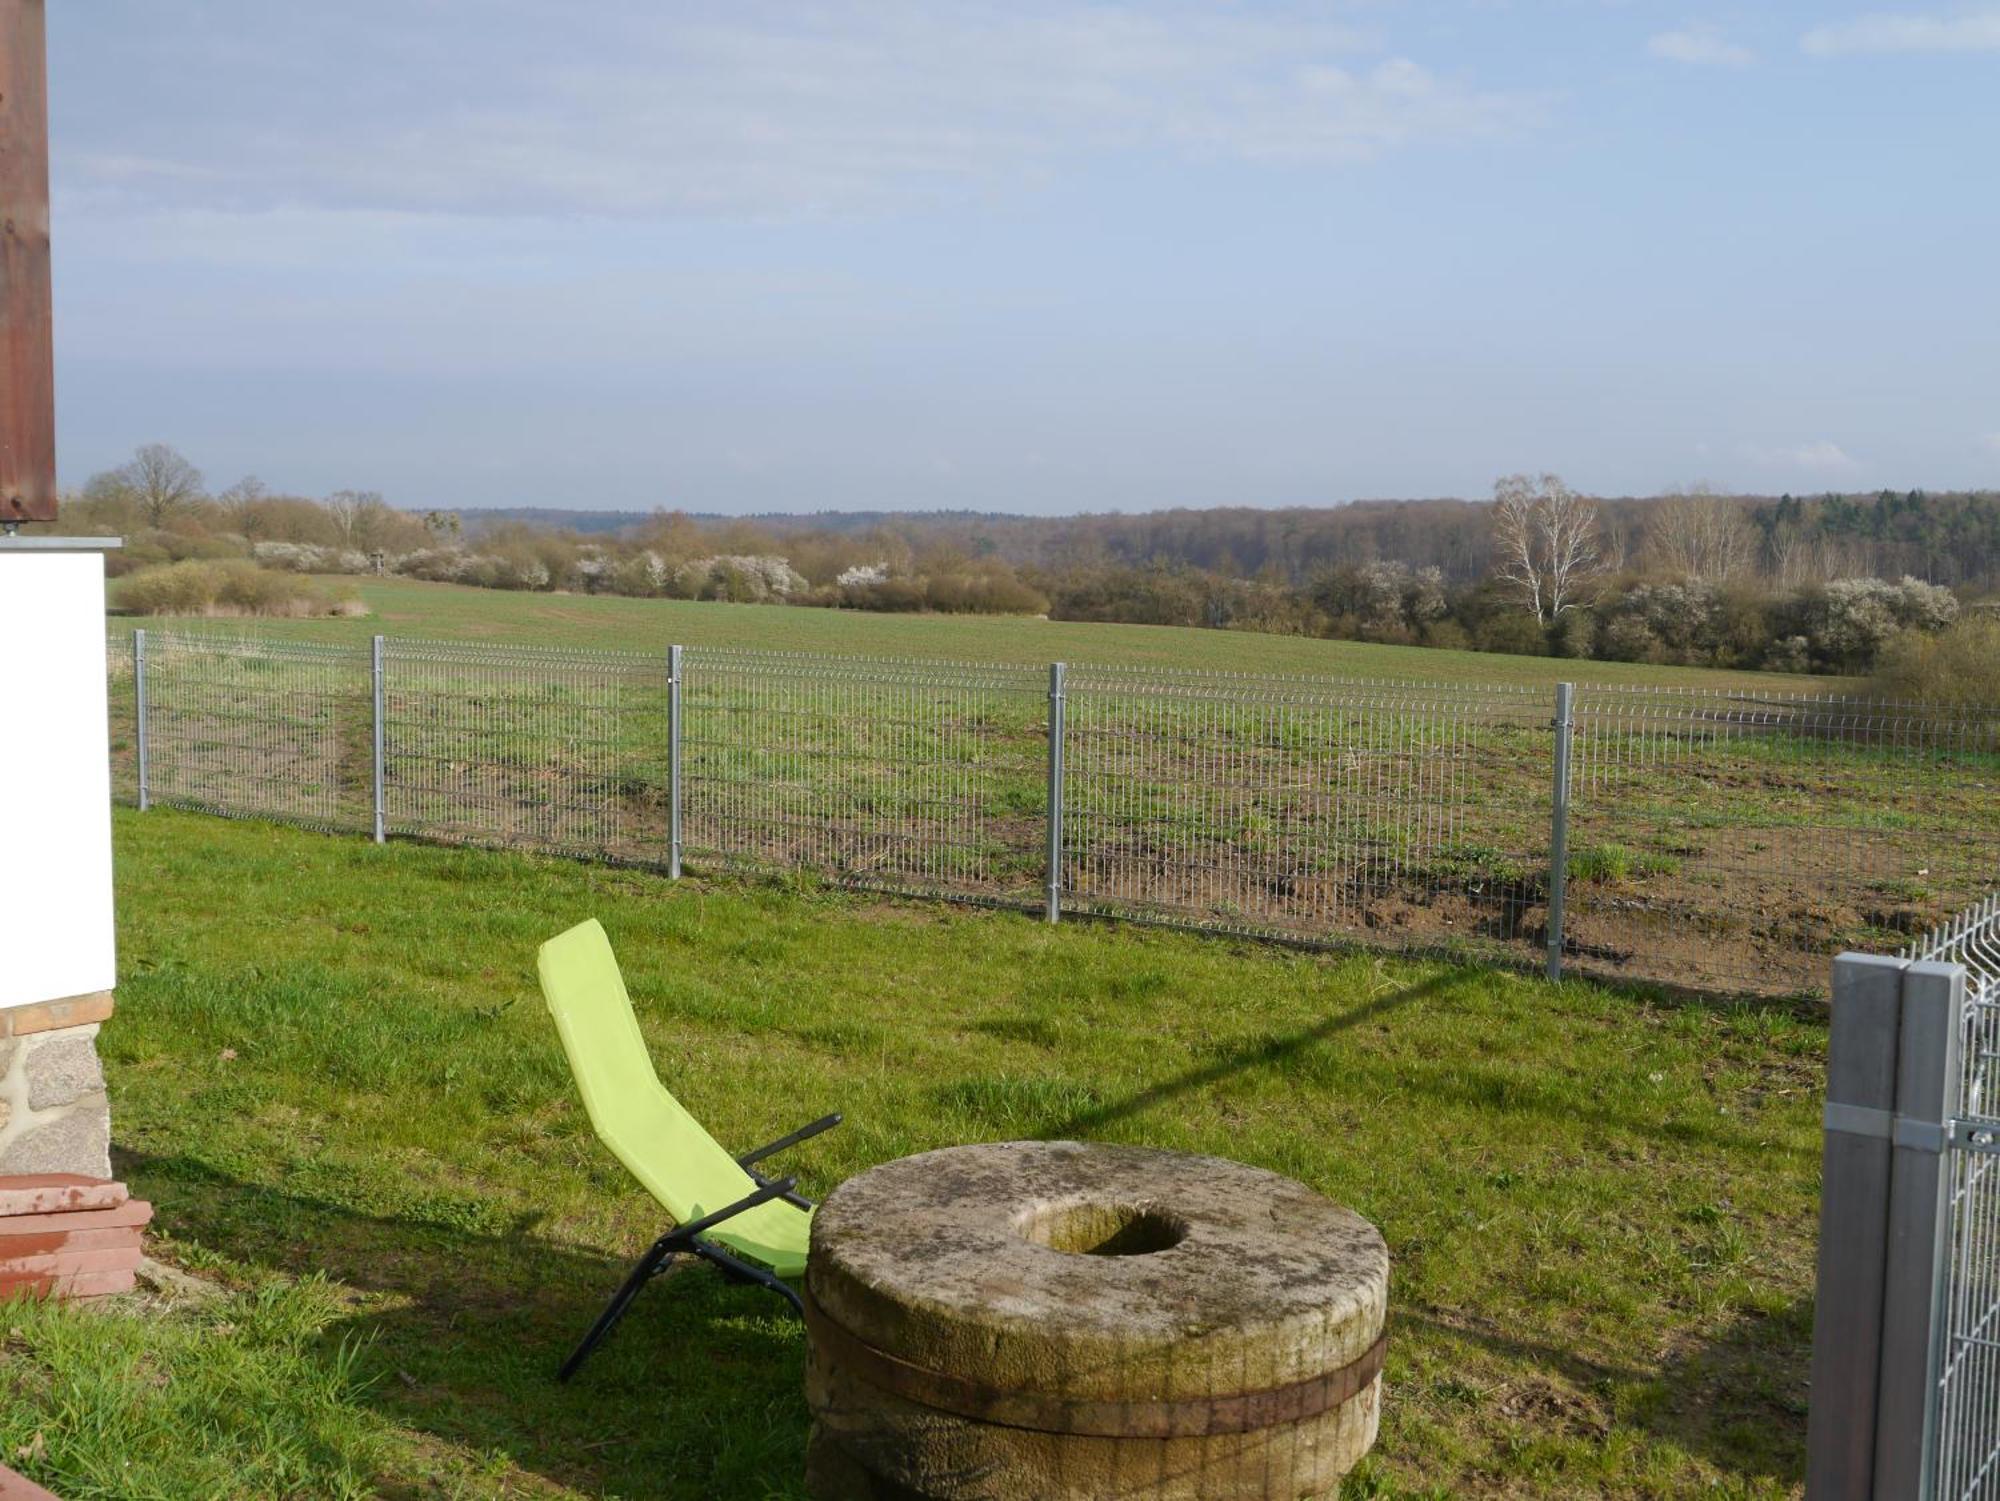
329,1062
407,607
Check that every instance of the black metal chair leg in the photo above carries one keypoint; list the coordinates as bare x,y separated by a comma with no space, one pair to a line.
663,1249
743,1271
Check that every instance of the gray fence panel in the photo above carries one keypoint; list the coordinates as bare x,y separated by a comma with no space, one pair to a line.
1719,841
1409,816
1854,1226
924,777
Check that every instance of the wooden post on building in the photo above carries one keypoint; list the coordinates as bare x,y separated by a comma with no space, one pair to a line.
27,350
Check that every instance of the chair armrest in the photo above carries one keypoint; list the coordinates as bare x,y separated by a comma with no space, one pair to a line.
824,1123
776,1189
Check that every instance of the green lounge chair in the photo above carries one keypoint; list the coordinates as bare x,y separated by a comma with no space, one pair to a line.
727,1213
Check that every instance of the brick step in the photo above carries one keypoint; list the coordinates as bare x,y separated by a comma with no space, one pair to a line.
58,1193
79,1285
130,1214
116,1238
111,1257
69,1263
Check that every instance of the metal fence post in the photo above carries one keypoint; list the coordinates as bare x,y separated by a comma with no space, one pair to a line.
674,670
1565,727
1927,1080
1853,1226
139,711
375,672
1057,671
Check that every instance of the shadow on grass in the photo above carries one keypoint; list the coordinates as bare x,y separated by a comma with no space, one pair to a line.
1736,1400
697,1394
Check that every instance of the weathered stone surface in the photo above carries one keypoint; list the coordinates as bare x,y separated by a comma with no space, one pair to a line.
62,1069
1070,1278
78,1141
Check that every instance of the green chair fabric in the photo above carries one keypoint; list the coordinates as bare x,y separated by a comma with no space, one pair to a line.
634,1115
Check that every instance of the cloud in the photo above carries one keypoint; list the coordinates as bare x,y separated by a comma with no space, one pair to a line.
1703,46
1974,31
755,107
1990,442
1821,457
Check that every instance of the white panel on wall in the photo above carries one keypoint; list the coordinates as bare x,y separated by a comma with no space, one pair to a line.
56,931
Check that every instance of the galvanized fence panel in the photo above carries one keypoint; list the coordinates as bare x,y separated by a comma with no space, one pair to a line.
1966,1421
908,776
123,707
1410,816
1737,841
257,728
554,750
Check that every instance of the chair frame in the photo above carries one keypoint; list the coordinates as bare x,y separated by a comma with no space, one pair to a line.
688,1240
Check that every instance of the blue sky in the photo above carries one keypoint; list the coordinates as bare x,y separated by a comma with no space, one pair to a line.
1032,255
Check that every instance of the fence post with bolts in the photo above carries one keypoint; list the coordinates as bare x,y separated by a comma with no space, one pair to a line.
375,674
1056,703
1565,727
139,711
1915,1274
674,668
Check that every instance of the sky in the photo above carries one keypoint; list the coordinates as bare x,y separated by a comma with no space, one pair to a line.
1038,256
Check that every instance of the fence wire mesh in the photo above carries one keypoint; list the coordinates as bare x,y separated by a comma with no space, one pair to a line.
563,752
1724,840
257,728
1966,1466
1411,815
923,776
1715,840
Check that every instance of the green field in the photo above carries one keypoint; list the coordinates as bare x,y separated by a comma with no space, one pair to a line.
405,607
331,1072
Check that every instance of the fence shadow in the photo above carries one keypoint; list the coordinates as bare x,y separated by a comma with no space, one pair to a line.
697,1394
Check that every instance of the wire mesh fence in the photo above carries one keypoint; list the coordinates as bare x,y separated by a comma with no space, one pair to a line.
921,776
1722,841
1735,840
1411,815
563,752
1966,1424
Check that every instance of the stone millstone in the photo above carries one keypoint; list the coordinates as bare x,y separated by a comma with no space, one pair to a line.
1054,1321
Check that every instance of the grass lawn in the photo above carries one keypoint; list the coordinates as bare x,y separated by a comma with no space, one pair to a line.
409,607
332,1073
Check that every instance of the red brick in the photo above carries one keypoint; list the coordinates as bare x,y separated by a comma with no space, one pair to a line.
14,1487
113,1238
82,1285
68,1264
131,1213
57,1193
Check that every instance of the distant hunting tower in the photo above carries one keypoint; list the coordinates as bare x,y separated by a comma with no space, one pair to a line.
56,960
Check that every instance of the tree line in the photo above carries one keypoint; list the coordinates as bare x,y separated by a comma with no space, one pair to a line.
1822,584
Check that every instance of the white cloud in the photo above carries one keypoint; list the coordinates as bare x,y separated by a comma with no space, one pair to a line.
1973,31
1990,442
761,107
1703,46
1821,457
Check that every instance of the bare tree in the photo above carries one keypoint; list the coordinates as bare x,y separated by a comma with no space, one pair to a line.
160,481
239,503
1698,534
1547,543
357,515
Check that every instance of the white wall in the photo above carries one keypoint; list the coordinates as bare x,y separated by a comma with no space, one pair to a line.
55,781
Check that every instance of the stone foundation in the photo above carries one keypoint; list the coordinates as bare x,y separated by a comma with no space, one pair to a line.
54,1115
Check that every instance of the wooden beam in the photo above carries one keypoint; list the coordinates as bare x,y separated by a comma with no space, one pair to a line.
27,348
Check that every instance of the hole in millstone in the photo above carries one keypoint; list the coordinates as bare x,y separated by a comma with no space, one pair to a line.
1102,1229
